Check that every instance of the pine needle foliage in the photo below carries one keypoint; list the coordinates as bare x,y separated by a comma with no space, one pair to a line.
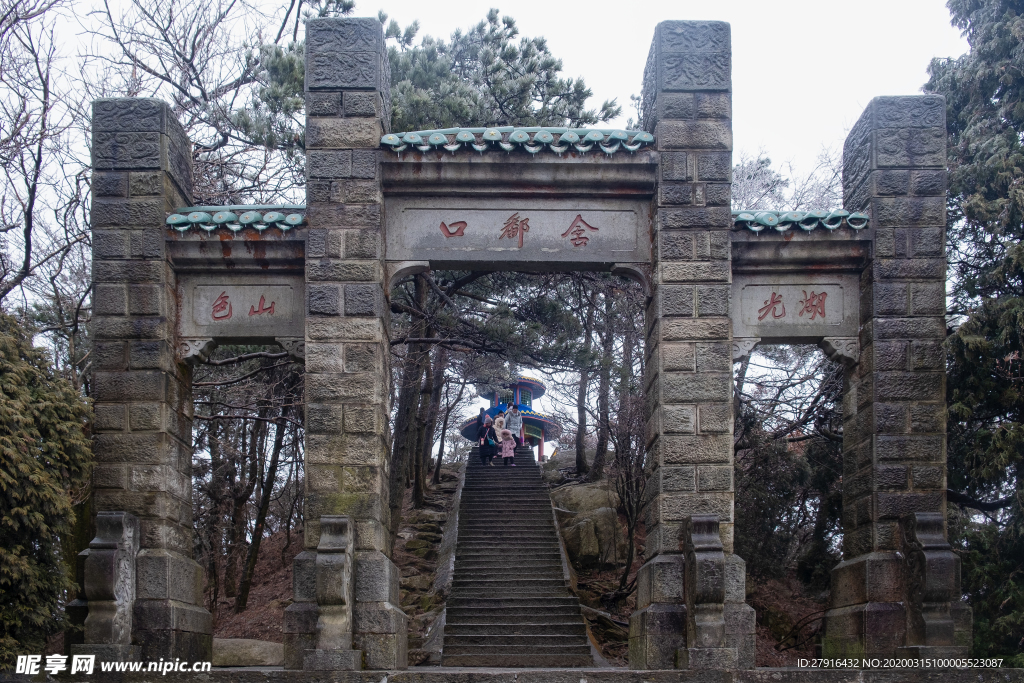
984,91
485,76
45,462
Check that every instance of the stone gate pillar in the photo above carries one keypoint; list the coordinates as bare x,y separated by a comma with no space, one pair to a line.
894,426
347,367
142,169
687,104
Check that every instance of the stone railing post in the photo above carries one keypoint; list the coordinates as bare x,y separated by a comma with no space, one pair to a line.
894,425
347,463
706,645
334,590
687,104
938,623
142,169
108,582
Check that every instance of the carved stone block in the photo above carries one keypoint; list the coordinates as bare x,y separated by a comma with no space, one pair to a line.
705,594
345,53
335,569
130,114
109,579
932,580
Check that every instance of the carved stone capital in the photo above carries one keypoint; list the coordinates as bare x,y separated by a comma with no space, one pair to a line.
109,579
845,350
743,346
195,351
295,347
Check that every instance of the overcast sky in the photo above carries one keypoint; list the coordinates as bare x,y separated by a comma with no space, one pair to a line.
803,70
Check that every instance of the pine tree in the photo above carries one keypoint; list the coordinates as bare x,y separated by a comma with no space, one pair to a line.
45,461
984,92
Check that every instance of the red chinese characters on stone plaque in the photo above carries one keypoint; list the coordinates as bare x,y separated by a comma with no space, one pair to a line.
221,307
576,230
813,304
774,306
456,229
515,227
263,308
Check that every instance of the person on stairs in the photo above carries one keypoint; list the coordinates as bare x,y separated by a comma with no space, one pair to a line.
499,422
514,423
488,441
507,448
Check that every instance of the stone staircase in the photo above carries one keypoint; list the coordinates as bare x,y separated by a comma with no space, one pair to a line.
509,605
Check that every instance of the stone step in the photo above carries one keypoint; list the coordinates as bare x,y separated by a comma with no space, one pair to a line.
487,511
472,596
491,543
539,660
491,525
515,641
470,561
509,604
552,628
495,574
497,534
520,566
497,603
513,616
533,525
507,583
507,567
491,606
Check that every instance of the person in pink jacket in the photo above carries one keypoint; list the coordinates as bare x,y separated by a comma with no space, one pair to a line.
507,448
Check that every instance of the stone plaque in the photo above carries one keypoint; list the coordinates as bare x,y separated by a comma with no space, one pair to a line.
241,308
515,234
795,309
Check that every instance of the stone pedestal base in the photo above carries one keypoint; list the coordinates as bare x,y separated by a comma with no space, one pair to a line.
870,630
740,633
333,660
656,633
110,653
873,621
719,658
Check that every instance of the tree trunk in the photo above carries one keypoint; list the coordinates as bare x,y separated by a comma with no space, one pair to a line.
444,431
261,518
213,520
604,388
244,490
419,474
581,397
437,386
405,415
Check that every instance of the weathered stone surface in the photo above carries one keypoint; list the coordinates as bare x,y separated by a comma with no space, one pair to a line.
344,53
247,652
341,133
699,134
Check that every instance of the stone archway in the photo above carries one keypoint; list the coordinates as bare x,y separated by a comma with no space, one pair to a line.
655,206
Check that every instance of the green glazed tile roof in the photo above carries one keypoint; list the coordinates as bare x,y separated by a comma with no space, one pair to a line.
235,218
529,139
756,221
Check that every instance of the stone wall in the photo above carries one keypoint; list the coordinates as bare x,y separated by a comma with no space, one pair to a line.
143,397
347,371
